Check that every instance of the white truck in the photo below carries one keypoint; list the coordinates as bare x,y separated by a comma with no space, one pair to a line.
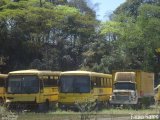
132,88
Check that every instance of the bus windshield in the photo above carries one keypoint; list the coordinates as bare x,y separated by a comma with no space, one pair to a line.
2,82
124,86
23,84
74,84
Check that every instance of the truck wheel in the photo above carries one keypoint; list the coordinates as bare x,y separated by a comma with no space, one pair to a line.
139,105
107,104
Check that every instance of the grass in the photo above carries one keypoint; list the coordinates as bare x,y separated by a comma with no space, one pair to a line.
130,111
64,115
70,115
47,116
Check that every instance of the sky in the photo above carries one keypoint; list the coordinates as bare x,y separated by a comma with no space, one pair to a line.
106,7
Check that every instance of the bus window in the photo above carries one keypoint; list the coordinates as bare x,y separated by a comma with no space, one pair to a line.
108,81
98,82
2,81
50,81
102,82
23,84
105,82
75,84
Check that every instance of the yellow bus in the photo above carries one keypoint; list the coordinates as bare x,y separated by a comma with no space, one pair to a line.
82,85
2,87
30,88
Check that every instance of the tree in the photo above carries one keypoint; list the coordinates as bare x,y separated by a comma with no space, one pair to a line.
29,31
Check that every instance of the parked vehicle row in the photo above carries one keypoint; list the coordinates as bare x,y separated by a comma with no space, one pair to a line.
42,90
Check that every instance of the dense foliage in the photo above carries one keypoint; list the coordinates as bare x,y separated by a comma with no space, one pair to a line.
44,35
129,39
65,35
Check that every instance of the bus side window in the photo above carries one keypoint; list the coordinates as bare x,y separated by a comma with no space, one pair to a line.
41,86
105,82
2,82
93,82
54,81
98,82
102,83
111,82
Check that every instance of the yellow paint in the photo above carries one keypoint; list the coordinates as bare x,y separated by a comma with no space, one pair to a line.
2,87
101,93
45,94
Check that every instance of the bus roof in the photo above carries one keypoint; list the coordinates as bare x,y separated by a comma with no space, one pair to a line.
3,75
79,72
33,72
76,72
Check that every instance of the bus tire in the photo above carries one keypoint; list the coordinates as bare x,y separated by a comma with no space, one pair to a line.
53,106
43,107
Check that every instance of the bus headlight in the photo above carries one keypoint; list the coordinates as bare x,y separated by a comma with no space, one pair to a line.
8,100
112,97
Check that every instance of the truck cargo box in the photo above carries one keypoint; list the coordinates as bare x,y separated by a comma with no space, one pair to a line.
145,83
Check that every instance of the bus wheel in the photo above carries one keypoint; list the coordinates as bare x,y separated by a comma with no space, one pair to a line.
97,105
53,106
43,107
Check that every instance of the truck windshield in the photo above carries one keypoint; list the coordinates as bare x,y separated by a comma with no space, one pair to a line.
124,86
75,84
23,84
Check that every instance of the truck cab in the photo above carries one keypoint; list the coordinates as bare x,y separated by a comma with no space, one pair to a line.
124,89
133,88
124,93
